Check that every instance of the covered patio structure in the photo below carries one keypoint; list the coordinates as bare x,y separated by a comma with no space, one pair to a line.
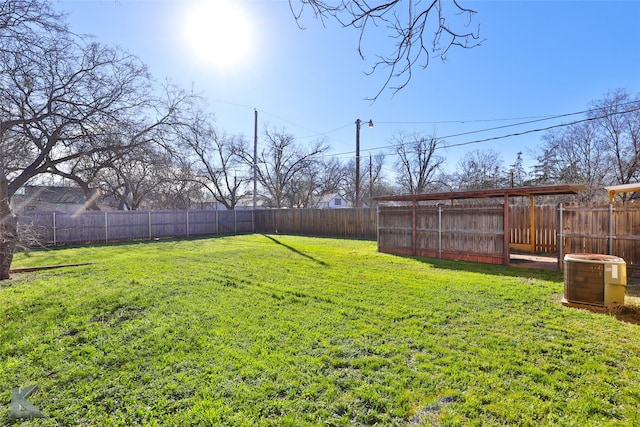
477,233
623,188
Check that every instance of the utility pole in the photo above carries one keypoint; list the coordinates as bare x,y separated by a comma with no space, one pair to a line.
357,163
255,158
370,180
358,123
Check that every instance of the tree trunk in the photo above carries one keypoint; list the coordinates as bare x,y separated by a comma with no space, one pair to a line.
8,229
123,198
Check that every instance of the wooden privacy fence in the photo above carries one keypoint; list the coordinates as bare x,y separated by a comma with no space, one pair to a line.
474,233
612,229
52,228
470,233
105,226
98,226
350,223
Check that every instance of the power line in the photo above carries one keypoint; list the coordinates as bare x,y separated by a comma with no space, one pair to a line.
540,129
529,120
391,146
440,122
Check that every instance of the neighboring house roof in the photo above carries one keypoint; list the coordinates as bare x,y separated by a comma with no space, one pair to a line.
48,198
247,203
332,200
53,195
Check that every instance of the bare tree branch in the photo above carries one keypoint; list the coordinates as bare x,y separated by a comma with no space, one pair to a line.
418,163
428,28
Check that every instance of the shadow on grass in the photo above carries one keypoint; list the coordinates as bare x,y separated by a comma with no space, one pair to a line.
629,313
492,269
292,249
145,241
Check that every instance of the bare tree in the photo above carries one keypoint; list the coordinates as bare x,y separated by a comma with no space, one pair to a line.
183,191
216,157
21,23
348,182
418,164
322,177
332,174
282,163
372,180
145,150
225,175
302,192
518,177
420,30
602,149
617,118
572,155
375,183
480,169
134,177
57,96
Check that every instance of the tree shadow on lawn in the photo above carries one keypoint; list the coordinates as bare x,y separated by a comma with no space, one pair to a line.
492,269
294,250
116,243
121,243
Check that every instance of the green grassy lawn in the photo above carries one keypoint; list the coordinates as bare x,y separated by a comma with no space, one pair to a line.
291,331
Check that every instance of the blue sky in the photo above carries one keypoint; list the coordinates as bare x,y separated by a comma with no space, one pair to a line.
537,58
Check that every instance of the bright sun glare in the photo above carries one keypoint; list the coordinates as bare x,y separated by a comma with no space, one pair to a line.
218,33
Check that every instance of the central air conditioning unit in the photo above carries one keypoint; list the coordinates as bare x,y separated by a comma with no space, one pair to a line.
594,279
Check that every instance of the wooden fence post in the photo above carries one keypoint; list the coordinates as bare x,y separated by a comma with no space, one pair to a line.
378,227
106,227
560,237
414,237
610,252
505,240
54,228
532,224
439,231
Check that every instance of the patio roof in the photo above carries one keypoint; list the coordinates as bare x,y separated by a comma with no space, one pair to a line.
482,194
624,188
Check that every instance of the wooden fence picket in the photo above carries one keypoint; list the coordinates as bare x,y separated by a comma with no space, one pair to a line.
586,228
